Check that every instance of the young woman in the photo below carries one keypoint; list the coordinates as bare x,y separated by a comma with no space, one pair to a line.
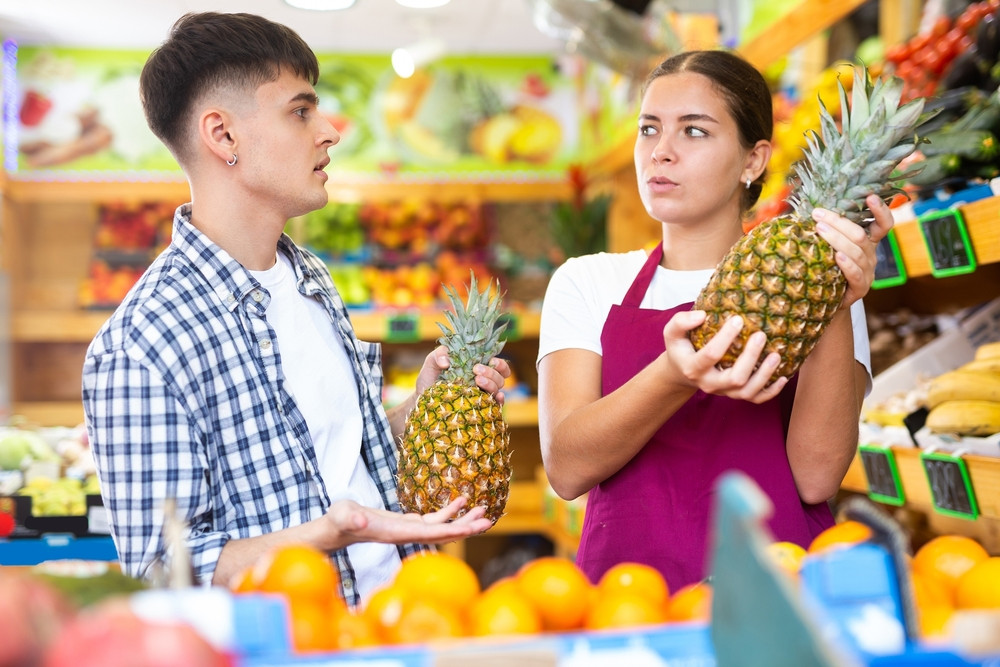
629,411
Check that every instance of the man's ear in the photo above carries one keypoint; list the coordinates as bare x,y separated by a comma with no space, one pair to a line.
215,133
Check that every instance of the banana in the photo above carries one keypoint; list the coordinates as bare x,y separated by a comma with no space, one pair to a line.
988,351
963,385
965,417
986,365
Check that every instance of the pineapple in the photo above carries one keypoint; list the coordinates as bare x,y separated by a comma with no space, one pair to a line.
456,441
781,277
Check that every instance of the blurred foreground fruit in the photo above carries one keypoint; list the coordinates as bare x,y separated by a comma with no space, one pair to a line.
298,571
635,578
32,615
948,557
439,576
844,533
979,586
691,603
558,590
503,610
624,609
111,635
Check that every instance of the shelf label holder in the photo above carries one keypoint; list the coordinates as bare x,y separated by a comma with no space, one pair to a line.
882,473
946,238
950,484
889,268
402,328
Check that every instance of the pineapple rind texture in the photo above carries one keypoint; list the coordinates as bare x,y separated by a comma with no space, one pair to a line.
456,441
781,277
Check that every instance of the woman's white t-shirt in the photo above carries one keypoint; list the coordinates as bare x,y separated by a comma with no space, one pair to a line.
583,289
331,407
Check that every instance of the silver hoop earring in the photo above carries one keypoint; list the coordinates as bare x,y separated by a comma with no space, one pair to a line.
748,180
233,161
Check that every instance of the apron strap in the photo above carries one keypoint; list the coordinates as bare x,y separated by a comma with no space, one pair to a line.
633,298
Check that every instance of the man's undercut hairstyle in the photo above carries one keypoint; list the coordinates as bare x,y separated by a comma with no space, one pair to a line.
212,50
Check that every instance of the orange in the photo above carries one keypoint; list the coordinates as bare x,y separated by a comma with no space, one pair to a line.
637,578
298,571
932,620
948,557
426,620
502,610
840,534
624,609
931,590
310,624
436,575
353,630
692,602
558,590
787,555
384,609
979,587
242,581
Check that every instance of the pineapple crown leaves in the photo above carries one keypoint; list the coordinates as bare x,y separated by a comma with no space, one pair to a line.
475,329
843,166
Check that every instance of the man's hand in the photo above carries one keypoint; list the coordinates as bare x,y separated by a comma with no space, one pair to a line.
357,523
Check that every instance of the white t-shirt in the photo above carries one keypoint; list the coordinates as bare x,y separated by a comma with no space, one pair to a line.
581,292
330,405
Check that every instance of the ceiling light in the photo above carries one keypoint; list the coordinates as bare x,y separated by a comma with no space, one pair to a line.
320,5
406,60
423,4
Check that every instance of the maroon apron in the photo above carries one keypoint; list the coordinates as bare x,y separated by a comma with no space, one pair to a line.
658,508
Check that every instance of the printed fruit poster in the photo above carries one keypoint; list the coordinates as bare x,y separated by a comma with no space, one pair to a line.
78,116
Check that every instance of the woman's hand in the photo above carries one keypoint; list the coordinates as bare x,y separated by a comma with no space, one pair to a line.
855,246
699,368
490,378
355,523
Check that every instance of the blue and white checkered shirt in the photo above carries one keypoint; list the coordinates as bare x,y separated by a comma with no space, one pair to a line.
183,396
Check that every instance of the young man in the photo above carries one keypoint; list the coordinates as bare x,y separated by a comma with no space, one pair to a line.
230,379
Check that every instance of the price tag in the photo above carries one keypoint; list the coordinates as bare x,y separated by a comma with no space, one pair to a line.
402,328
510,332
889,269
947,240
951,487
884,484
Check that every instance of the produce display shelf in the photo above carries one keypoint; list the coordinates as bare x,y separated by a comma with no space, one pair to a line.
79,326
982,220
984,475
346,191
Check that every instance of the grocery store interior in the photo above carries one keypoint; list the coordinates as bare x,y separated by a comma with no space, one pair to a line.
496,137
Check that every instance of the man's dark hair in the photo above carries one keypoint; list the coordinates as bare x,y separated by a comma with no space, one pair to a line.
212,49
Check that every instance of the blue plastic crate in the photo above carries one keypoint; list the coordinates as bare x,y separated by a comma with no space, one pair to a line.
56,546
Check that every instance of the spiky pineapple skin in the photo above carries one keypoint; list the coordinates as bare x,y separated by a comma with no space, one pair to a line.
781,278
456,443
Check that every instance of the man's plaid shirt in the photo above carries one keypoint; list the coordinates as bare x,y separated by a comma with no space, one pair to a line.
183,397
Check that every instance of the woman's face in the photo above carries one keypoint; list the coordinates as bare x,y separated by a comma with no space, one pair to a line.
690,164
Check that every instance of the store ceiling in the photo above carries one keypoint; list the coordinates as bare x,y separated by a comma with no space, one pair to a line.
465,26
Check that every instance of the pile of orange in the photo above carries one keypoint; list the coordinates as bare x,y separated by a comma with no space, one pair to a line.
311,584
949,573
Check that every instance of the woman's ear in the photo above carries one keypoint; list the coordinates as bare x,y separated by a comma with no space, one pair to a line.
215,133
757,159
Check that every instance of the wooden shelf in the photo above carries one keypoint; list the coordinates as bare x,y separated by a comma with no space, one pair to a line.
982,220
50,413
80,326
382,190
984,472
